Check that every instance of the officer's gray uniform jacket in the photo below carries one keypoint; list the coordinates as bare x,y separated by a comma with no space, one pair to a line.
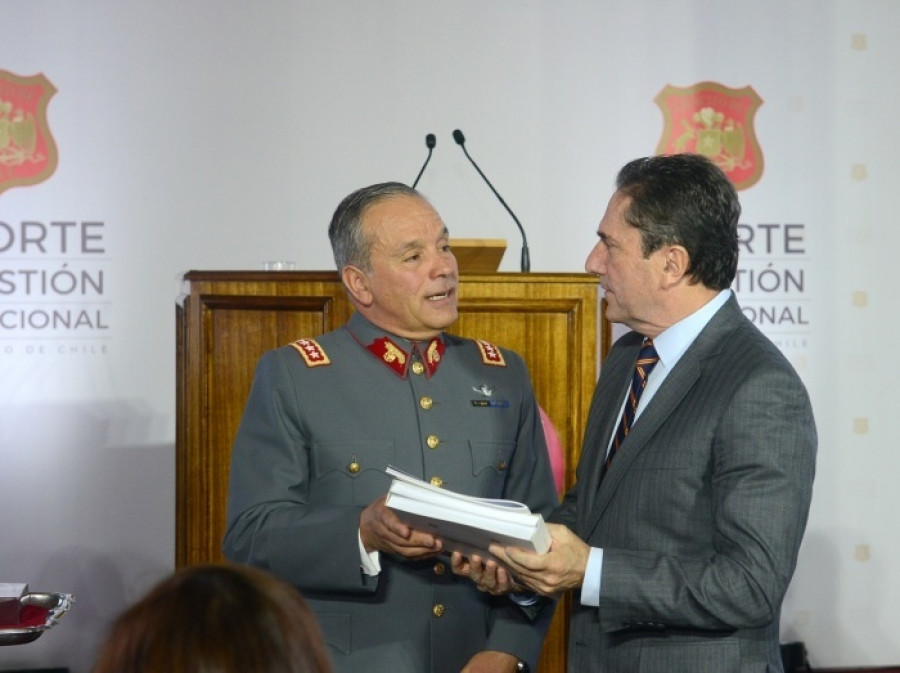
324,418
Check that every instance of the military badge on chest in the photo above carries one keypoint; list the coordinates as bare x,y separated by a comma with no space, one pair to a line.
489,396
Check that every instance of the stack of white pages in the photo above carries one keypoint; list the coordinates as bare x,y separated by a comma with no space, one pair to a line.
465,523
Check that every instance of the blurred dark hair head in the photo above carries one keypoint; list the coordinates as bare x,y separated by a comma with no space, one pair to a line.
216,619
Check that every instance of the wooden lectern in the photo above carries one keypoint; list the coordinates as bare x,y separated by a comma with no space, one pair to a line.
227,319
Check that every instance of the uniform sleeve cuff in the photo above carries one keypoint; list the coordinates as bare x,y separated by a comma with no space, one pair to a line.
370,562
590,588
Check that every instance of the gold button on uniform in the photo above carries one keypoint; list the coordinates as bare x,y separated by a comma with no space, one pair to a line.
438,610
354,467
418,368
425,402
439,568
437,481
432,441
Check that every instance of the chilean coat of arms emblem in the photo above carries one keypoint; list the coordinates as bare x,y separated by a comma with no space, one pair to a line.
717,122
27,149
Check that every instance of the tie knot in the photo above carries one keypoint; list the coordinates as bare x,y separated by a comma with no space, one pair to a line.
648,352
646,360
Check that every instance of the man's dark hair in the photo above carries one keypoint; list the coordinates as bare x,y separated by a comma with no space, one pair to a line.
685,199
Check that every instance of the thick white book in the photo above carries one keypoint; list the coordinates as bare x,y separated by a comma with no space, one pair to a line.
465,523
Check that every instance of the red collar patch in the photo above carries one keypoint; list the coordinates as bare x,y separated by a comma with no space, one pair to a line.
390,354
399,360
433,355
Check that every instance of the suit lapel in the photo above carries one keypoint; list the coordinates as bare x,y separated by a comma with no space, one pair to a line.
677,385
615,377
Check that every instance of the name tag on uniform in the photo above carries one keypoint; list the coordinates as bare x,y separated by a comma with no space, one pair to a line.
497,404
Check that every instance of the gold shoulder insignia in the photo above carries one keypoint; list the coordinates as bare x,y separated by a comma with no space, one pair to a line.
311,352
490,354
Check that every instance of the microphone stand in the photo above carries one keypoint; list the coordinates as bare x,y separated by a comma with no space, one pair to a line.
430,142
526,256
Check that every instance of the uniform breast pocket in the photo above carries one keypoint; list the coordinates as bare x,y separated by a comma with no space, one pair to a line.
490,464
351,472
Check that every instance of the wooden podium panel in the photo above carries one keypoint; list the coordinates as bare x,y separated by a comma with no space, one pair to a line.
227,319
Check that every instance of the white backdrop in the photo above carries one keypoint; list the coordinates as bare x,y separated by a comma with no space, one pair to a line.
215,135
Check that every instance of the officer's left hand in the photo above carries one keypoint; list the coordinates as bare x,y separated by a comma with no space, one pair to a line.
491,662
486,573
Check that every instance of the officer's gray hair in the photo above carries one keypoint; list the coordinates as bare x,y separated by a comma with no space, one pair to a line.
349,243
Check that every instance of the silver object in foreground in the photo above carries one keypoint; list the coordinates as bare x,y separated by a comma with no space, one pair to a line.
56,604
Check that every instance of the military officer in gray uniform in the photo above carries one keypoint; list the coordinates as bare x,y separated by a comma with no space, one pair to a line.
327,415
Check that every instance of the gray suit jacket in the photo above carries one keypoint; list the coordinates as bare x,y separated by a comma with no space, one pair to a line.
702,511
310,454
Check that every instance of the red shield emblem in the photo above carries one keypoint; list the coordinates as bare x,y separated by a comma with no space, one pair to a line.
27,150
717,122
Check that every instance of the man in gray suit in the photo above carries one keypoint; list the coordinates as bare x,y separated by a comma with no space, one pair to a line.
682,532
327,415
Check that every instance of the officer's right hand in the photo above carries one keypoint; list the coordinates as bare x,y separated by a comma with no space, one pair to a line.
381,530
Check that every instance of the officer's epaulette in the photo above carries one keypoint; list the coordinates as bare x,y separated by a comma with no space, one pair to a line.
311,352
490,354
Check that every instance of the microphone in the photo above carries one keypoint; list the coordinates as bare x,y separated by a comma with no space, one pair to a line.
430,142
526,257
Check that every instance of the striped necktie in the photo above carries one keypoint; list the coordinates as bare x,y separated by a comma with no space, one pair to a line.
646,361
